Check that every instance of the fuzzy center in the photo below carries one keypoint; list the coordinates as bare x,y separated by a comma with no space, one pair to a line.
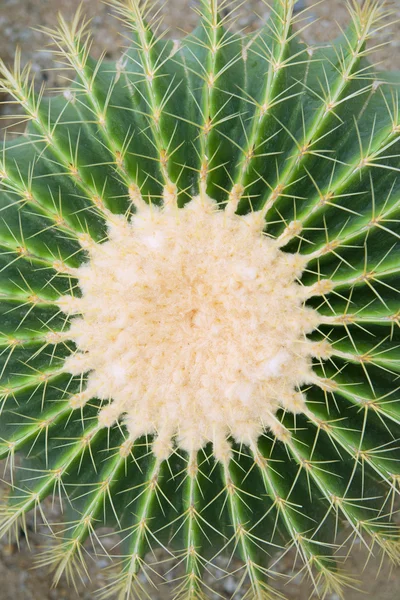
192,327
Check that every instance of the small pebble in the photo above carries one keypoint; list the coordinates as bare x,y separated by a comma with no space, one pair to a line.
230,584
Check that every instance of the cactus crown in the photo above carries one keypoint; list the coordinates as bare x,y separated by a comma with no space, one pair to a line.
199,299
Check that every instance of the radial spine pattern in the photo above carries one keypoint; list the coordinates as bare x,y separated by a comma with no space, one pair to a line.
199,301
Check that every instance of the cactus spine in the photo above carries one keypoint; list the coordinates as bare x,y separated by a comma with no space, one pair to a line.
199,299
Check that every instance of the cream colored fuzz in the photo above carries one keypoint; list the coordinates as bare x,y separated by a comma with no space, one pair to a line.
193,327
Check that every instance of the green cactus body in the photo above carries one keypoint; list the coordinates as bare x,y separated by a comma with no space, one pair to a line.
199,299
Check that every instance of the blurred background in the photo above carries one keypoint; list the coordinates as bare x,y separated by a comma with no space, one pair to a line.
20,26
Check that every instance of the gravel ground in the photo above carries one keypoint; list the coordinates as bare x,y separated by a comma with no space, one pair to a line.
19,20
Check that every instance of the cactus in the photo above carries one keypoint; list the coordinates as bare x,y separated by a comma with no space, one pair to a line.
199,332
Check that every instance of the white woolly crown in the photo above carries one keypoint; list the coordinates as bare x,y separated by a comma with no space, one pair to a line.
193,327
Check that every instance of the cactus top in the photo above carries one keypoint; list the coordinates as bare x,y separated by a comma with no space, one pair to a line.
193,326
